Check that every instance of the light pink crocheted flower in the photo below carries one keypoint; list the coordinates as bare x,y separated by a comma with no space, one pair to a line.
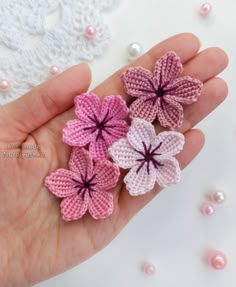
87,185
161,94
99,124
150,158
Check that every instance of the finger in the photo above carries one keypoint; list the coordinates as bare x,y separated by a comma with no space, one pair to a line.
213,94
129,206
43,103
185,45
206,64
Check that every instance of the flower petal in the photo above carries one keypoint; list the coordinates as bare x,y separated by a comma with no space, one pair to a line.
107,174
98,148
138,183
86,106
170,113
169,173
171,143
77,133
101,204
168,68
74,207
123,154
60,183
81,162
145,107
184,90
114,131
141,132
138,82
114,108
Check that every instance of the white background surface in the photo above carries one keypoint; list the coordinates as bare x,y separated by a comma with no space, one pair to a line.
170,231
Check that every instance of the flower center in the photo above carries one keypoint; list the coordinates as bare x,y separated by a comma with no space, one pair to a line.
101,126
160,92
85,185
148,157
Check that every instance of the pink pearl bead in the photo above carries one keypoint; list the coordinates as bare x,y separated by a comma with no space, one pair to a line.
218,196
5,86
205,9
54,70
208,209
90,32
149,269
217,260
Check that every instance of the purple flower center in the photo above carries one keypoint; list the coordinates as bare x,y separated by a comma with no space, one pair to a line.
85,185
101,126
159,93
148,157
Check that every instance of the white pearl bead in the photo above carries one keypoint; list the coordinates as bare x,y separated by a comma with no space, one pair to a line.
218,196
135,50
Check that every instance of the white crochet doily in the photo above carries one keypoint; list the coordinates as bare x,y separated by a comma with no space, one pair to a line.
35,35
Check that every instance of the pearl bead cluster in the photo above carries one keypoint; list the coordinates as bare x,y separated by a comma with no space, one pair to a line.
216,259
216,197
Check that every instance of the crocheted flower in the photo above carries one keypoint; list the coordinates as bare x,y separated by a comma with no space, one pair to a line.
87,185
150,158
161,94
99,124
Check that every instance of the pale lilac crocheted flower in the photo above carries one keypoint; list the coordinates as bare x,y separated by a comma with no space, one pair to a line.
86,186
150,158
161,94
99,123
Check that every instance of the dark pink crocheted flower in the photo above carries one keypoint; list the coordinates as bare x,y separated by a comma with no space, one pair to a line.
87,185
161,94
99,124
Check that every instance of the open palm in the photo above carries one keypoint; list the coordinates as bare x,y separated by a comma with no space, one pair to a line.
35,243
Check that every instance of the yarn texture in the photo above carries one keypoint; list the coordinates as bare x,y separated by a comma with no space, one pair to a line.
87,186
149,157
35,42
99,124
161,94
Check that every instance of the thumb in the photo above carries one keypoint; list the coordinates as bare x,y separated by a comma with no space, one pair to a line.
42,103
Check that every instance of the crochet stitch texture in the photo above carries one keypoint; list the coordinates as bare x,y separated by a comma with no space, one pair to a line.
150,158
34,43
99,124
86,186
161,94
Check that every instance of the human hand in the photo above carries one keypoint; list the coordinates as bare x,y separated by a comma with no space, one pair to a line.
35,243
